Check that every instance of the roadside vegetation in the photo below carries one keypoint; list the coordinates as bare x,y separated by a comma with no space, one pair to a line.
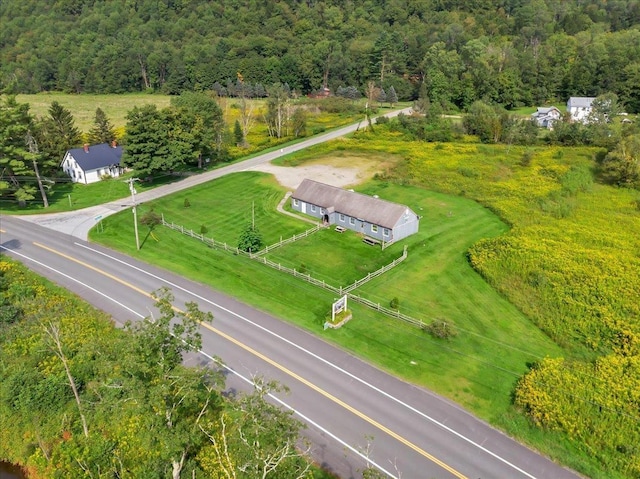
79,397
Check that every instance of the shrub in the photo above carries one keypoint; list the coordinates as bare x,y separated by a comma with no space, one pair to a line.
151,219
186,204
441,329
468,172
526,159
250,240
394,303
203,229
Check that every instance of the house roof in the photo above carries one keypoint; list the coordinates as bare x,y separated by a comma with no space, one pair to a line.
545,110
96,156
372,210
580,101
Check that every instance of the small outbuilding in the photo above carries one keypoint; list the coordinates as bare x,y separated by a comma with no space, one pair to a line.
368,215
93,162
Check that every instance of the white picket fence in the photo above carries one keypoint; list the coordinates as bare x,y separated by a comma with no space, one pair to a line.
282,242
388,311
376,273
304,276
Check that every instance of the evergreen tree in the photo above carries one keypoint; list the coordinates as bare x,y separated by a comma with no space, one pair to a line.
237,133
58,132
15,158
382,96
102,131
392,97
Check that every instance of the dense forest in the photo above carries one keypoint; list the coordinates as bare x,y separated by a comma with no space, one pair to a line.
510,52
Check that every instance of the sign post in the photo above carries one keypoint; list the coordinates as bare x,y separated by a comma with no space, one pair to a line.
338,307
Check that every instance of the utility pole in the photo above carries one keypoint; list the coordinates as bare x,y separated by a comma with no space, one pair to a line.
135,215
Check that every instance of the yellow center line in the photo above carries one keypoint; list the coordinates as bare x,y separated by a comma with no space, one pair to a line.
285,370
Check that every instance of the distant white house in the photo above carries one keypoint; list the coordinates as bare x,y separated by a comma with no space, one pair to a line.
90,163
546,116
579,107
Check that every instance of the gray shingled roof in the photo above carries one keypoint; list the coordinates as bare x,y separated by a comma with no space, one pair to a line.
580,101
98,156
544,110
372,210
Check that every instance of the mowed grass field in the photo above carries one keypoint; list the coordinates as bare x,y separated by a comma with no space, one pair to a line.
83,107
478,368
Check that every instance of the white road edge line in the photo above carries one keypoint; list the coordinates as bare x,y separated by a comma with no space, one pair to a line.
245,379
328,363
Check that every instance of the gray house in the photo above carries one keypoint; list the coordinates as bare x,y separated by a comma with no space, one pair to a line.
371,216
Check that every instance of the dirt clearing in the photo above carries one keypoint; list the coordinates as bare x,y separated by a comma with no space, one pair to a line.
340,170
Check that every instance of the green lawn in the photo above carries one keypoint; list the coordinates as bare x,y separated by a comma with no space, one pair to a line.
477,368
336,258
225,207
68,196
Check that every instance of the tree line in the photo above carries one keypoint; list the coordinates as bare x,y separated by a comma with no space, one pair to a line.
508,52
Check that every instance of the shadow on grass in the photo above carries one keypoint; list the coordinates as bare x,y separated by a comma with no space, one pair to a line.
69,196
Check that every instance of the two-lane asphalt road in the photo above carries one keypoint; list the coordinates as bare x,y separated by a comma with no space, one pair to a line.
344,401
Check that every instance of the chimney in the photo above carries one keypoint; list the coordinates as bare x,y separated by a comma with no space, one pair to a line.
86,147
114,143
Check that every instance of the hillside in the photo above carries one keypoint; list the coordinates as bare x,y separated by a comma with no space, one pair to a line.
511,52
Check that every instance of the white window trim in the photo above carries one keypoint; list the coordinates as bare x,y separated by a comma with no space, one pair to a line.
341,218
352,221
374,228
313,208
296,202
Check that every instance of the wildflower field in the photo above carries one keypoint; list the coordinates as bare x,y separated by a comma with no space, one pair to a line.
570,262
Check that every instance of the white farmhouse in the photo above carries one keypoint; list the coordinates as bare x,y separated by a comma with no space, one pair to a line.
546,116
579,107
90,163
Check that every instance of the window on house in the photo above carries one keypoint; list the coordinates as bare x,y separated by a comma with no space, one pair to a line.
374,228
352,221
313,207
341,217
295,202
385,232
